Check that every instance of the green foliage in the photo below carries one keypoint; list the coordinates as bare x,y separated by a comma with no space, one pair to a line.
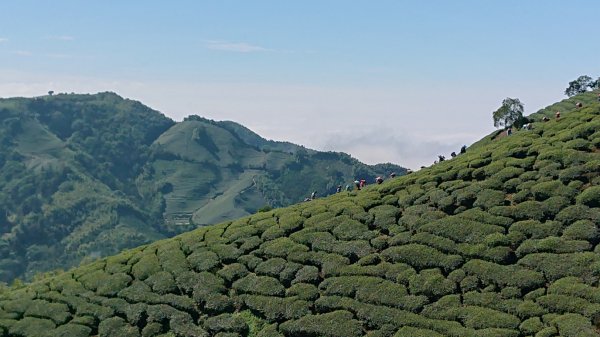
334,324
226,323
580,85
116,326
431,283
275,309
545,190
556,266
487,199
416,332
552,245
512,275
590,197
56,312
420,256
260,285
509,112
303,291
203,260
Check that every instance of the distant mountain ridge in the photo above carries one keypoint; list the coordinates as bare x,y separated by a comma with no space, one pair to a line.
89,175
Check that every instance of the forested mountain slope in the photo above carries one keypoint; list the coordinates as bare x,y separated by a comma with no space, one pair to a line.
84,176
499,241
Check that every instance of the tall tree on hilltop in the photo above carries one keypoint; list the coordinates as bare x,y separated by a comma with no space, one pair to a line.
580,85
596,84
510,112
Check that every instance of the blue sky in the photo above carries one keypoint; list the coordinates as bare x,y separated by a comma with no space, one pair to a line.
397,81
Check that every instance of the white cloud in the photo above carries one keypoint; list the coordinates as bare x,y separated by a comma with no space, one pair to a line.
238,47
61,37
59,56
24,53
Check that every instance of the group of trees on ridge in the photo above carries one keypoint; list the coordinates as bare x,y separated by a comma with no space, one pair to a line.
511,111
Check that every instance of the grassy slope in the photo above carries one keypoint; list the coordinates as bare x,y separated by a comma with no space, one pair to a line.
500,241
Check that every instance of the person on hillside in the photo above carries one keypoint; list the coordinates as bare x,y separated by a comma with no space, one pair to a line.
393,175
363,183
339,189
509,131
463,149
453,154
348,188
357,184
378,180
579,105
313,195
545,119
557,114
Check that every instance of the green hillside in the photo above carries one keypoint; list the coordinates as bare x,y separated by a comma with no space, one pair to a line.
499,241
85,176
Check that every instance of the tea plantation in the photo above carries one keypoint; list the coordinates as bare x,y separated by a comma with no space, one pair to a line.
499,241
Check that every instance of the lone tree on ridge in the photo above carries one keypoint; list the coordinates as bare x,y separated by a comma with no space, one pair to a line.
510,112
580,85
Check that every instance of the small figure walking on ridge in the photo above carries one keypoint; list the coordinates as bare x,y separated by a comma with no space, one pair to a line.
579,105
393,175
509,131
363,183
463,149
339,189
545,119
378,180
357,184
348,188
313,196
557,114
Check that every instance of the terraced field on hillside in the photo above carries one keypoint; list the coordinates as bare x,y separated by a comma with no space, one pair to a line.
499,241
